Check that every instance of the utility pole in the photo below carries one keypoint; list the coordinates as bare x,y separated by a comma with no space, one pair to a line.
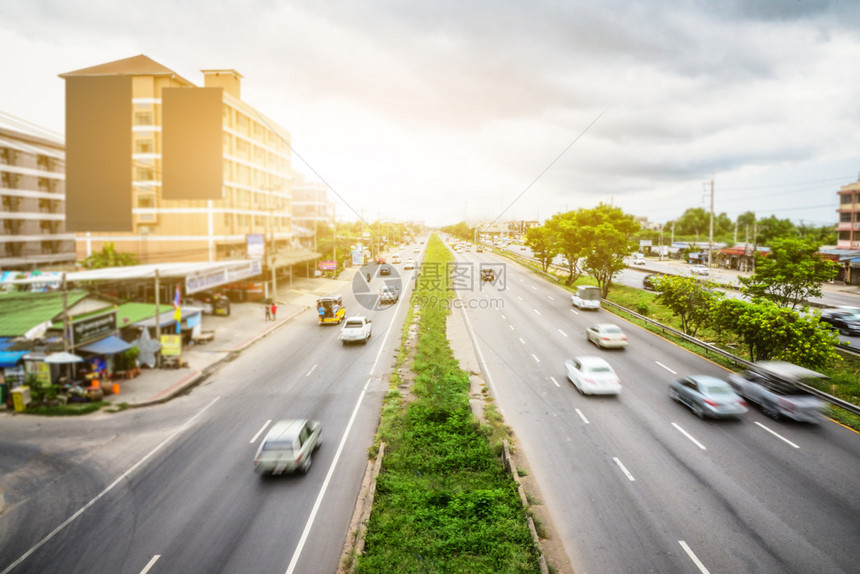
65,316
157,317
711,233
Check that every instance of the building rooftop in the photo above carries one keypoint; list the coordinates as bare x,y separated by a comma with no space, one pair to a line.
140,65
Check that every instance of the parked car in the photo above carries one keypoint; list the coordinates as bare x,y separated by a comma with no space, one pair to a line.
606,335
773,385
699,270
707,396
592,376
288,446
846,322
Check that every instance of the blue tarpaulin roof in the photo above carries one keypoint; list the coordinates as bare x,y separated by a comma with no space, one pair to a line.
9,359
108,346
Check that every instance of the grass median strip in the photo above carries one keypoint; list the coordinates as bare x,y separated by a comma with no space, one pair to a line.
444,501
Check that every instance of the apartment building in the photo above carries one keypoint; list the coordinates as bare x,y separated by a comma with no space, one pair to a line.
848,227
32,198
311,207
256,194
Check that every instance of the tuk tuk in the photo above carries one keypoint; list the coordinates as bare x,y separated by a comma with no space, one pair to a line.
330,310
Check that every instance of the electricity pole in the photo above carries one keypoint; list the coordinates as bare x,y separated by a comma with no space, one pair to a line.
711,233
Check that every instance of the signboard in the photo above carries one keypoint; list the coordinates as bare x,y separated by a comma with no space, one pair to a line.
256,246
195,282
171,345
328,265
92,328
358,257
42,372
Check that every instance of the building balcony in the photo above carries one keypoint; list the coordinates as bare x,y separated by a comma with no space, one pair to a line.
847,225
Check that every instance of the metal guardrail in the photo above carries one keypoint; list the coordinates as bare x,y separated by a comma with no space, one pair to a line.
836,401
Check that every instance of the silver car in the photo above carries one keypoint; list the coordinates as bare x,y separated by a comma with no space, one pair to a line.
288,447
606,335
707,396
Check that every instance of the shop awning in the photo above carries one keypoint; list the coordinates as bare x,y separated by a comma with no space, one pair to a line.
108,346
9,359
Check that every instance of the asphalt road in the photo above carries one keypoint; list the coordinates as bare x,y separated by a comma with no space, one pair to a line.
171,488
637,483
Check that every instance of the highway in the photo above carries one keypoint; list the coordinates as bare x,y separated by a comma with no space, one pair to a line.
171,488
637,483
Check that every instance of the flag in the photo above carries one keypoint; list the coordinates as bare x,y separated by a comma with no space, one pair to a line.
177,311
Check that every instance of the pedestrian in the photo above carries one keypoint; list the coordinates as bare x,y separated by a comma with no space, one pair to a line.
268,312
274,311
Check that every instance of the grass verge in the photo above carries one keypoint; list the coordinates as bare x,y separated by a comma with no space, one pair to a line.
444,501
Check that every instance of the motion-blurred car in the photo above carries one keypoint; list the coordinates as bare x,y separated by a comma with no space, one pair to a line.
649,280
699,270
775,387
388,295
606,335
384,270
846,322
707,396
288,447
395,259
416,250
592,376
410,263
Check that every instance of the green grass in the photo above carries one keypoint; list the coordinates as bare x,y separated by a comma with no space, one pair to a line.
444,501
69,409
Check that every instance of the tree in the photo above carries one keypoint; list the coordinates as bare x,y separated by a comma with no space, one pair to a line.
790,274
770,229
607,232
770,332
540,240
566,230
689,299
460,231
109,257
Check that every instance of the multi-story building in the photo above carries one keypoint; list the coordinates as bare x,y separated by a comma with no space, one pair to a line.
849,216
32,198
256,195
311,207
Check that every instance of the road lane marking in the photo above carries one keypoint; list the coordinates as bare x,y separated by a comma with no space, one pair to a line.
665,367
554,381
574,311
312,370
777,435
689,436
623,468
562,332
534,287
505,318
318,502
259,432
511,326
520,298
536,311
150,564
693,557
521,341
535,358
551,298
582,416
109,487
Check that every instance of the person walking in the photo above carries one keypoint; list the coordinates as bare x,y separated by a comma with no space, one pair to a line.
268,312
274,311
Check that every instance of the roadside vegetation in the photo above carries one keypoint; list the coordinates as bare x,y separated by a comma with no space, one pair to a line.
444,501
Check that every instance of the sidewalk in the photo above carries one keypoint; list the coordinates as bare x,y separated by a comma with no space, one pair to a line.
246,325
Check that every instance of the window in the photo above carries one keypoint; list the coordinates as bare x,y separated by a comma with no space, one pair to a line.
13,249
146,201
10,180
46,206
144,146
45,163
143,173
8,156
143,118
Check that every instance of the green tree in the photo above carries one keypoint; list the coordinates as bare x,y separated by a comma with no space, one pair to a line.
607,231
689,299
770,229
460,231
109,257
540,240
771,332
791,273
566,230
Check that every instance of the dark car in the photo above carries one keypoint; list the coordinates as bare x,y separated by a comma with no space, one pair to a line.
648,281
385,270
846,322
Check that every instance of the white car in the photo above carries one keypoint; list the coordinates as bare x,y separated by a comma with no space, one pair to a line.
606,335
698,270
395,259
288,447
592,376
410,263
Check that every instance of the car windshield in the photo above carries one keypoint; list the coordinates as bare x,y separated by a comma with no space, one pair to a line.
280,445
598,369
611,329
353,323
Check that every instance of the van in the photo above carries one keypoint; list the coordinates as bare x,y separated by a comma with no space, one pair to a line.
586,297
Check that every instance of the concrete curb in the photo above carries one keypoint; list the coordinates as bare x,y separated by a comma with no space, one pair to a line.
355,538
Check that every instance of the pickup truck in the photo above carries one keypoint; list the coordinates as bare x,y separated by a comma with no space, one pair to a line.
355,329
773,386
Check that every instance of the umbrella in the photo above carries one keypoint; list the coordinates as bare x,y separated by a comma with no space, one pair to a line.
61,358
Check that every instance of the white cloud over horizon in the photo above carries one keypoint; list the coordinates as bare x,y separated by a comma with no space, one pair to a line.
433,111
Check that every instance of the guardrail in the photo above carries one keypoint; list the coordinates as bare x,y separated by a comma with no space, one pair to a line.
836,401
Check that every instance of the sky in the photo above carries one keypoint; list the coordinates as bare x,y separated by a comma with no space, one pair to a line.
441,111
